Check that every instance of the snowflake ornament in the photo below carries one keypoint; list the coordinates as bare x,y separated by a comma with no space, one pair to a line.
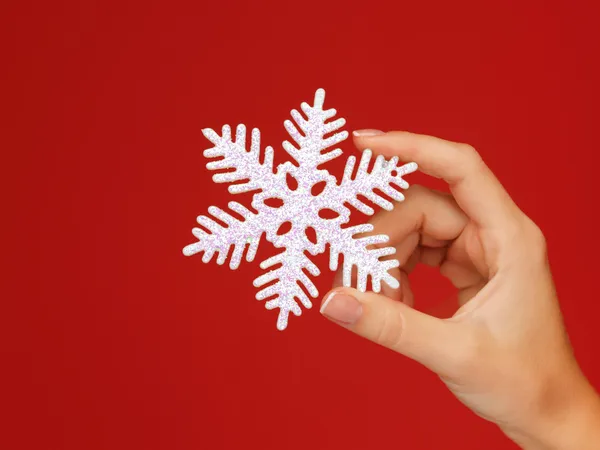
314,196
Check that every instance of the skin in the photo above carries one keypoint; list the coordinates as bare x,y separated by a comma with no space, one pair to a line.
504,353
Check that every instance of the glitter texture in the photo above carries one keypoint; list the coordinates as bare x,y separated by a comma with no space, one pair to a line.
299,195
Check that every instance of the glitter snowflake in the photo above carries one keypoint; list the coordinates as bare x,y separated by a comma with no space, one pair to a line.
306,197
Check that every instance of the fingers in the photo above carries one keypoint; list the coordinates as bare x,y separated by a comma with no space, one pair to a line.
433,214
421,229
477,191
431,341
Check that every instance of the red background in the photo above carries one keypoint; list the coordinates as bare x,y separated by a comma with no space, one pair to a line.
115,340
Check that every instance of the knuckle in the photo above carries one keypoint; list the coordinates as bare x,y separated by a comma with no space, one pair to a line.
389,333
468,151
529,239
471,159
536,239
471,155
535,234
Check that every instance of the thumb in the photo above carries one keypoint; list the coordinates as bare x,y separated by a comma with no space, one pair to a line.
435,343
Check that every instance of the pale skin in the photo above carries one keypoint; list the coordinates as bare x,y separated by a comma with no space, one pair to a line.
504,353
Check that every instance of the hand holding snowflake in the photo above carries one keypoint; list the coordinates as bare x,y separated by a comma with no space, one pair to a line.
277,205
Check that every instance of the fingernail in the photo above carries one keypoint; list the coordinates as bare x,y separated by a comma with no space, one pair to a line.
367,133
342,308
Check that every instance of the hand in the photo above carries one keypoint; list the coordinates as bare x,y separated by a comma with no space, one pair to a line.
504,353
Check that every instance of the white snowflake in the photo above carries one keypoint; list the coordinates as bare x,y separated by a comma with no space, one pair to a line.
302,206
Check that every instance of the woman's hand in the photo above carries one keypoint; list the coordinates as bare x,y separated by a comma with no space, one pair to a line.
505,353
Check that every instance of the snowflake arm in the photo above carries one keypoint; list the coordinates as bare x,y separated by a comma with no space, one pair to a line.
220,239
311,142
246,164
357,252
290,278
384,176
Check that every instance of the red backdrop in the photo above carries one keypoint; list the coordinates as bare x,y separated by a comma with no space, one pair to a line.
115,340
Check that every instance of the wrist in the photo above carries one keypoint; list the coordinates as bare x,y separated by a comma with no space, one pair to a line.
567,417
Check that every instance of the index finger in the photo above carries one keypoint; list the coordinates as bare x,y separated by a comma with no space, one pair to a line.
475,188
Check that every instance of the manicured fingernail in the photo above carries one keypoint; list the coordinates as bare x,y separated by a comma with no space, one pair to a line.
367,133
342,308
